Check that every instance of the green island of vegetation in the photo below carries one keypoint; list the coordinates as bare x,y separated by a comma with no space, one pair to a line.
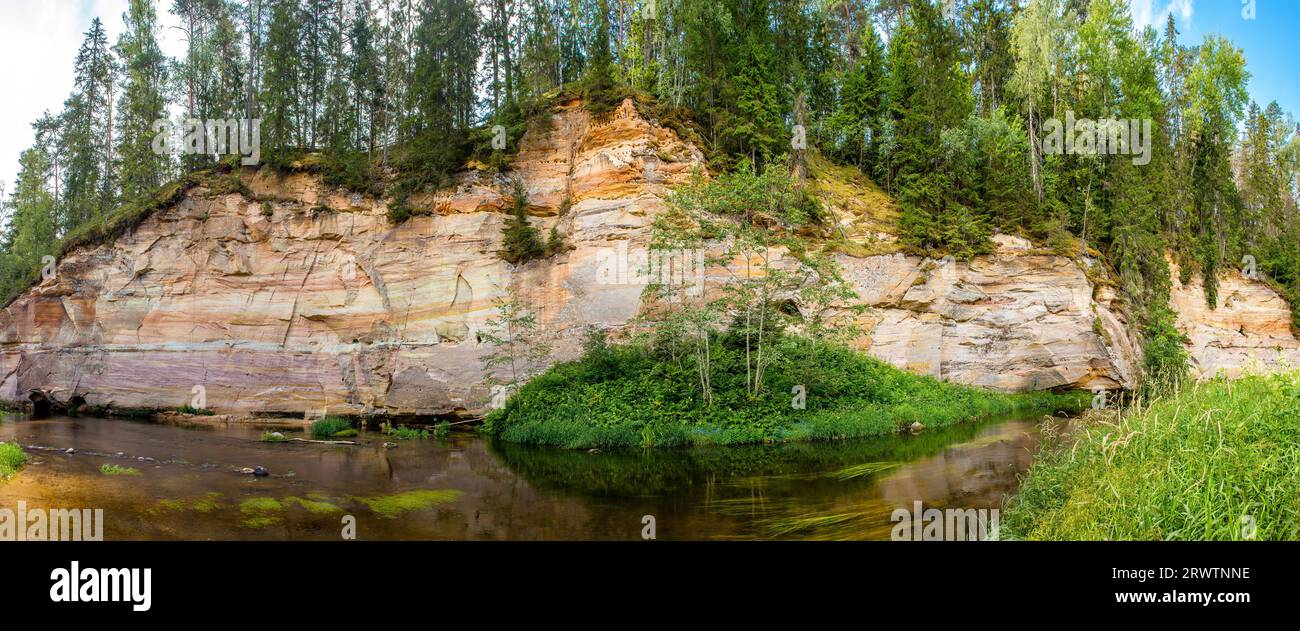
629,395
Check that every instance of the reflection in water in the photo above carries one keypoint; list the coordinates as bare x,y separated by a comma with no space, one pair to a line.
468,487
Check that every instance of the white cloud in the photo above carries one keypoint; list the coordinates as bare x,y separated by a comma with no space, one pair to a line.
1154,12
39,41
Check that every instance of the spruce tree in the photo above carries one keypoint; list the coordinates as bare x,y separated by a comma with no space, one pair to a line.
88,189
141,104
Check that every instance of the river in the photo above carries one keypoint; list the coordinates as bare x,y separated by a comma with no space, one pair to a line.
189,483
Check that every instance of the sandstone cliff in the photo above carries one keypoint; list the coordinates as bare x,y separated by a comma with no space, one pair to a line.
296,297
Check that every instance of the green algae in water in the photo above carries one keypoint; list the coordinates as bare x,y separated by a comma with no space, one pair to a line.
390,506
257,508
167,504
206,503
862,470
318,506
112,469
260,504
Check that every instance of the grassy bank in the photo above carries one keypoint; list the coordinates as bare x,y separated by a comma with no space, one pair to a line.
12,458
629,396
1220,461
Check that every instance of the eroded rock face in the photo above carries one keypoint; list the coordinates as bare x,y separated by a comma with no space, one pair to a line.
1014,320
1248,330
306,299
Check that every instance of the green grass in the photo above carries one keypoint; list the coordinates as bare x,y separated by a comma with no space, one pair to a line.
329,426
112,469
1214,462
629,396
12,458
189,409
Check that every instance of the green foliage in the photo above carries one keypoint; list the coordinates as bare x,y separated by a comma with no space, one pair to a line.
638,394
512,335
1218,461
12,458
399,210
189,409
329,426
1165,364
521,240
141,103
600,88
112,469
405,433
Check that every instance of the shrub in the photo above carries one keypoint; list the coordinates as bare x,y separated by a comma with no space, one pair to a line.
330,426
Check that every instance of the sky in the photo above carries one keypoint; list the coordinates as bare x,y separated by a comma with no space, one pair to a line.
38,43
39,39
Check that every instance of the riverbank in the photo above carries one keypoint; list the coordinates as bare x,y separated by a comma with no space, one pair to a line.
627,395
1220,461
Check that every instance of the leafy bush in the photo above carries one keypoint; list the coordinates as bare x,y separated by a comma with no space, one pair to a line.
189,409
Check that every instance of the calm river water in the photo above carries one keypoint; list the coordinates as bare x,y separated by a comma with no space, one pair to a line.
189,484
